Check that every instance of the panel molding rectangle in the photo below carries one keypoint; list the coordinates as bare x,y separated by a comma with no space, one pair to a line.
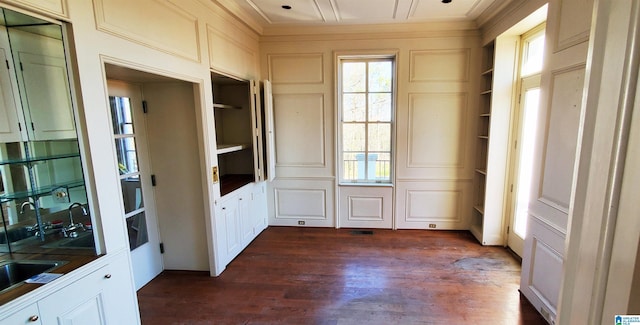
433,205
229,55
437,130
150,27
300,130
300,203
445,65
561,141
296,68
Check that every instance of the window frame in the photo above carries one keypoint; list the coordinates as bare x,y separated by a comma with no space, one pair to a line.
340,58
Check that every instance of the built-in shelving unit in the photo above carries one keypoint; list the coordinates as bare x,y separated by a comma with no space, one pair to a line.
482,148
232,111
494,118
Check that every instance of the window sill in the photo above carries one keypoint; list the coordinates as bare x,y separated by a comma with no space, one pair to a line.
367,184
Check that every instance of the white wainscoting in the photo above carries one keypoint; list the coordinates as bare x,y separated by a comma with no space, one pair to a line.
296,68
440,65
433,205
307,202
230,56
542,271
562,135
145,22
365,207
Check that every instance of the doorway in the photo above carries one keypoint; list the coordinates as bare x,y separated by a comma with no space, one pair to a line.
524,128
168,122
134,165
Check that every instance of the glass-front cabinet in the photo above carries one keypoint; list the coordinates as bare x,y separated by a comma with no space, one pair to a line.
42,186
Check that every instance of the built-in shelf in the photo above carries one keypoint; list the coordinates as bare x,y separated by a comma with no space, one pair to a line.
476,230
227,148
481,171
485,115
486,92
483,137
40,191
479,208
488,71
38,159
223,106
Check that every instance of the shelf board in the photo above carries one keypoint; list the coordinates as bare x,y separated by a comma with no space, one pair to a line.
232,182
485,115
486,92
479,208
486,72
38,159
227,148
223,106
481,171
40,191
486,137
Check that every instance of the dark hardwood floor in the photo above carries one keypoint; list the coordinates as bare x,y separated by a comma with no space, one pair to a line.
332,276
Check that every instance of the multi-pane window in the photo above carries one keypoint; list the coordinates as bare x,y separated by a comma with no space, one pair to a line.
366,111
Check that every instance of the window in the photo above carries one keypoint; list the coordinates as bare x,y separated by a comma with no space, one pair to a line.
366,100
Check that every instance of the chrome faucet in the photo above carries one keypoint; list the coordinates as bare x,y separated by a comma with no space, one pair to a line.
25,204
72,225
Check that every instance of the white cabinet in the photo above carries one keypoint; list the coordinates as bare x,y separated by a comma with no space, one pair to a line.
45,93
103,296
244,215
27,315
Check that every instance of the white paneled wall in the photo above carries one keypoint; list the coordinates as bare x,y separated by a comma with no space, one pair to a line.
433,134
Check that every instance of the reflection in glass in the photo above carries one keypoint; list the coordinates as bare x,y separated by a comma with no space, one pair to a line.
132,193
380,107
354,107
127,158
380,76
353,137
354,76
137,230
379,137
121,115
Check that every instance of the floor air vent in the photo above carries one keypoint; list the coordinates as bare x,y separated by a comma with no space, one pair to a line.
362,232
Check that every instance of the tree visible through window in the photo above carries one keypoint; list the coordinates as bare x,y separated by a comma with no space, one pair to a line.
366,98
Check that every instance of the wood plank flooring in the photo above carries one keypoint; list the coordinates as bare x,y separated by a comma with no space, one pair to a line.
294,275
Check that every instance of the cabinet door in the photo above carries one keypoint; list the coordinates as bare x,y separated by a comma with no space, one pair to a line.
81,302
10,130
256,127
269,132
26,316
244,209
48,97
229,213
258,209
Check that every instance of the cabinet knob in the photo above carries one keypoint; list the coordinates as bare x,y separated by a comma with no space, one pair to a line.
223,208
107,276
34,318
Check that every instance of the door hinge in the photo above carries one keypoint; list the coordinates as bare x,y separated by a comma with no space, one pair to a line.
21,67
19,126
144,107
33,127
519,98
7,62
153,180
511,189
161,248
508,229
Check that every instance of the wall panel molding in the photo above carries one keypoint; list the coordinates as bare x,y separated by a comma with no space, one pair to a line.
145,22
445,204
227,55
300,130
449,65
296,68
572,28
437,132
562,135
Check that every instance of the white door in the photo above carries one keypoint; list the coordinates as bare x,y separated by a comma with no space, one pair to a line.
522,164
135,178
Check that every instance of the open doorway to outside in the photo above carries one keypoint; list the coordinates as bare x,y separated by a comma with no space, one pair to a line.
523,134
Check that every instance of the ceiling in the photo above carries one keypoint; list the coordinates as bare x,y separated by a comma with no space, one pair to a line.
340,12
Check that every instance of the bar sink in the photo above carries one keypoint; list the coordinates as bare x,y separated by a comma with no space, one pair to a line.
14,272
